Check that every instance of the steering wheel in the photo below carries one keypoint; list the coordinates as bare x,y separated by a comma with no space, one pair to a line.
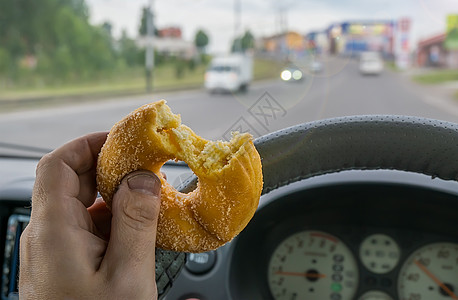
372,142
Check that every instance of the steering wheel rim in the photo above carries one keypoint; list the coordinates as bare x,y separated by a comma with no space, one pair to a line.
375,142
370,142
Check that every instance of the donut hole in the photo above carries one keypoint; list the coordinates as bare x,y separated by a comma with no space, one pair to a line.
182,180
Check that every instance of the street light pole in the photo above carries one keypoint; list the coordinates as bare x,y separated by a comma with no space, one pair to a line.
149,55
237,22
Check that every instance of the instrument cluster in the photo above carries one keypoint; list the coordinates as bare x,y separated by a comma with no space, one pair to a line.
342,244
314,264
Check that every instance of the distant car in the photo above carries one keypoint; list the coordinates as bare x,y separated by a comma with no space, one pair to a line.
316,66
291,73
370,63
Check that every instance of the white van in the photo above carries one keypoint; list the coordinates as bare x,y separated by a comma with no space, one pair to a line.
370,63
229,73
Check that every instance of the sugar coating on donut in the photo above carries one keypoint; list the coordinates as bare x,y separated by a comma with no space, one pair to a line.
229,173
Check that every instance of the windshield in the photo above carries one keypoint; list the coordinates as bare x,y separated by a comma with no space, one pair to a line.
71,67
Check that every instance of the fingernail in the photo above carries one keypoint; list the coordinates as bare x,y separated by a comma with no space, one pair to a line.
147,183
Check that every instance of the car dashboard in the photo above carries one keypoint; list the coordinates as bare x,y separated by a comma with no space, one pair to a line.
360,235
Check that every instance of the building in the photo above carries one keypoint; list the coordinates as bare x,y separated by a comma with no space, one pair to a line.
169,42
431,52
284,44
170,32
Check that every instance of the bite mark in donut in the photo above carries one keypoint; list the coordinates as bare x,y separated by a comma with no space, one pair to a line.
229,173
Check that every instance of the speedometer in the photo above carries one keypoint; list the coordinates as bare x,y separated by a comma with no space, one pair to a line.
312,265
431,272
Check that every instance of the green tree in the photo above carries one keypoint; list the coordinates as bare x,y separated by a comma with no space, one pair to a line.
58,34
63,62
242,44
89,48
26,23
247,41
128,50
4,60
142,29
201,40
108,28
236,45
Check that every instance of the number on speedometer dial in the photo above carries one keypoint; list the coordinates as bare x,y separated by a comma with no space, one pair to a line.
431,272
312,265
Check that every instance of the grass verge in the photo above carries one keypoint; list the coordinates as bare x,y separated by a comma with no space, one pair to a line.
391,65
265,69
437,77
130,82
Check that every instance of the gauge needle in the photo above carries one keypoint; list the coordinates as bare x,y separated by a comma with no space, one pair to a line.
308,275
435,279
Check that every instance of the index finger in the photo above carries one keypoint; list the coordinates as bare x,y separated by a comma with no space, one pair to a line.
81,153
69,171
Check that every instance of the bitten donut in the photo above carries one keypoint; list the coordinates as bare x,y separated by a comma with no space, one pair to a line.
229,177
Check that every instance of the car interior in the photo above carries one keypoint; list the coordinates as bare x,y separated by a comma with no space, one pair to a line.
352,106
351,207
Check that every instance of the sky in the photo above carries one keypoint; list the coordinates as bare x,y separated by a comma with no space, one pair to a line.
261,17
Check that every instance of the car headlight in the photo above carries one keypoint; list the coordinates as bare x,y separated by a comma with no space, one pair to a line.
285,75
297,75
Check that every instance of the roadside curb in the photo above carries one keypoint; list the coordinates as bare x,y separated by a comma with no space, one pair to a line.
8,105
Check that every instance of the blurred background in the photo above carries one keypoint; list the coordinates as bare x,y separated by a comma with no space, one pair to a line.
68,67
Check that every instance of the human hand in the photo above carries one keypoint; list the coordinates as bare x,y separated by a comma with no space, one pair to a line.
74,247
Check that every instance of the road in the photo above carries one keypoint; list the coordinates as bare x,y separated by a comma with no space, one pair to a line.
268,106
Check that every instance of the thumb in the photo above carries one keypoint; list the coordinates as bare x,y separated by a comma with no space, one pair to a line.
135,210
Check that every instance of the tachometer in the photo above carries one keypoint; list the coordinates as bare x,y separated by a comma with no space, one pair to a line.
431,272
312,265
